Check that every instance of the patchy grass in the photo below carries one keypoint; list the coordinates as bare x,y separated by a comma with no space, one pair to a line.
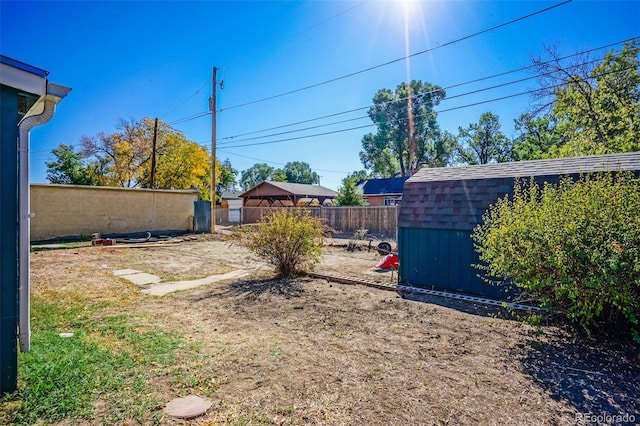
110,361
302,351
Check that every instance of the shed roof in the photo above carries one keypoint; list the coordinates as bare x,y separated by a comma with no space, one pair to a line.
384,186
457,197
555,166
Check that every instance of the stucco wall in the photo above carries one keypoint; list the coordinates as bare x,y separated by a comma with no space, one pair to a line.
70,210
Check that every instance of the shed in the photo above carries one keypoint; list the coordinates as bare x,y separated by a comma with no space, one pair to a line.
383,192
280,194
441,207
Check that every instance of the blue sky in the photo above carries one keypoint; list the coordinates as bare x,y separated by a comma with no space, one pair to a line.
134,59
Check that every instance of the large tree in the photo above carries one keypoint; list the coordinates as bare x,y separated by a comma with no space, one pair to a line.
127,154
69,168
255,175
227,180
483,142
293,172
596,104
180,164
124,158
359,176
300,172
408,134
536,136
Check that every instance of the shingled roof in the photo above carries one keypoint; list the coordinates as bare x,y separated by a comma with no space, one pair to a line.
555,166
456,197
384,186
294,192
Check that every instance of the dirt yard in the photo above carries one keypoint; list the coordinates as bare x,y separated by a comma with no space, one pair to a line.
316,352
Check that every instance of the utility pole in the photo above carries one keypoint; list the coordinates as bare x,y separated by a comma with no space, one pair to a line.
412,134
152,183
212,108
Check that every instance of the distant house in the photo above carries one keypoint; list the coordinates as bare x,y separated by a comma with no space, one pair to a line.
284,194
383,192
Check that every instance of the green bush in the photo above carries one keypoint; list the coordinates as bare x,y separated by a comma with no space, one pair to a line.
574,246
288,239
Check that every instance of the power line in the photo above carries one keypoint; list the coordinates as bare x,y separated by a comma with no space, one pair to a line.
297,130
186,100
414,96
445,88
395,100
202,114
287,38
495,27
275,162
301,137
528,92
329,19
189,118
296,123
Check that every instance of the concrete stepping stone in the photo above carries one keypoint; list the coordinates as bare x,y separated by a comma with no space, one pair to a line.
189,407
137,277
169,287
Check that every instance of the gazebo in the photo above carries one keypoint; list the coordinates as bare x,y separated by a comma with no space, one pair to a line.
284,194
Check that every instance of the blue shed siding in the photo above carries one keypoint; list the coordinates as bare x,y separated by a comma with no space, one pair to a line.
441,259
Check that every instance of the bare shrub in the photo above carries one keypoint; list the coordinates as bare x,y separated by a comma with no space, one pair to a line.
288,239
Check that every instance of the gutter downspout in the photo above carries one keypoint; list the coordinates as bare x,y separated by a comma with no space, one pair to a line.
24,248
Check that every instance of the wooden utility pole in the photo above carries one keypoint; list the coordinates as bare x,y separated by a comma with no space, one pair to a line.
412,134
152,183
212,108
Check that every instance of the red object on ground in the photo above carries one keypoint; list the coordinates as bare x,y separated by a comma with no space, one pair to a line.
390,261
103,242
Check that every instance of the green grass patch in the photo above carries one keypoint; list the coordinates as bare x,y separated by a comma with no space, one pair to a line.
105,372
66,245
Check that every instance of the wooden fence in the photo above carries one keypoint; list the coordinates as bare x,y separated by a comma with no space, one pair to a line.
380,221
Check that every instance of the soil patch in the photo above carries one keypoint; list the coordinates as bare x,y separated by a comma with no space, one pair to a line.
309,351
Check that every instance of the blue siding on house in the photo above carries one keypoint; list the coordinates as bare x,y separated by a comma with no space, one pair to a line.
9,238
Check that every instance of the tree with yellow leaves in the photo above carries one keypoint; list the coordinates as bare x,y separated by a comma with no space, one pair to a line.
124,158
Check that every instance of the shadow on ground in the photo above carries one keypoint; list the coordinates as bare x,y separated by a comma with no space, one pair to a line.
595,377
465,306
252,289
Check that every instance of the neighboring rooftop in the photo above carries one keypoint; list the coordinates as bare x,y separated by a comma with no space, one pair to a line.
384,186
294,192
294,188
230,195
